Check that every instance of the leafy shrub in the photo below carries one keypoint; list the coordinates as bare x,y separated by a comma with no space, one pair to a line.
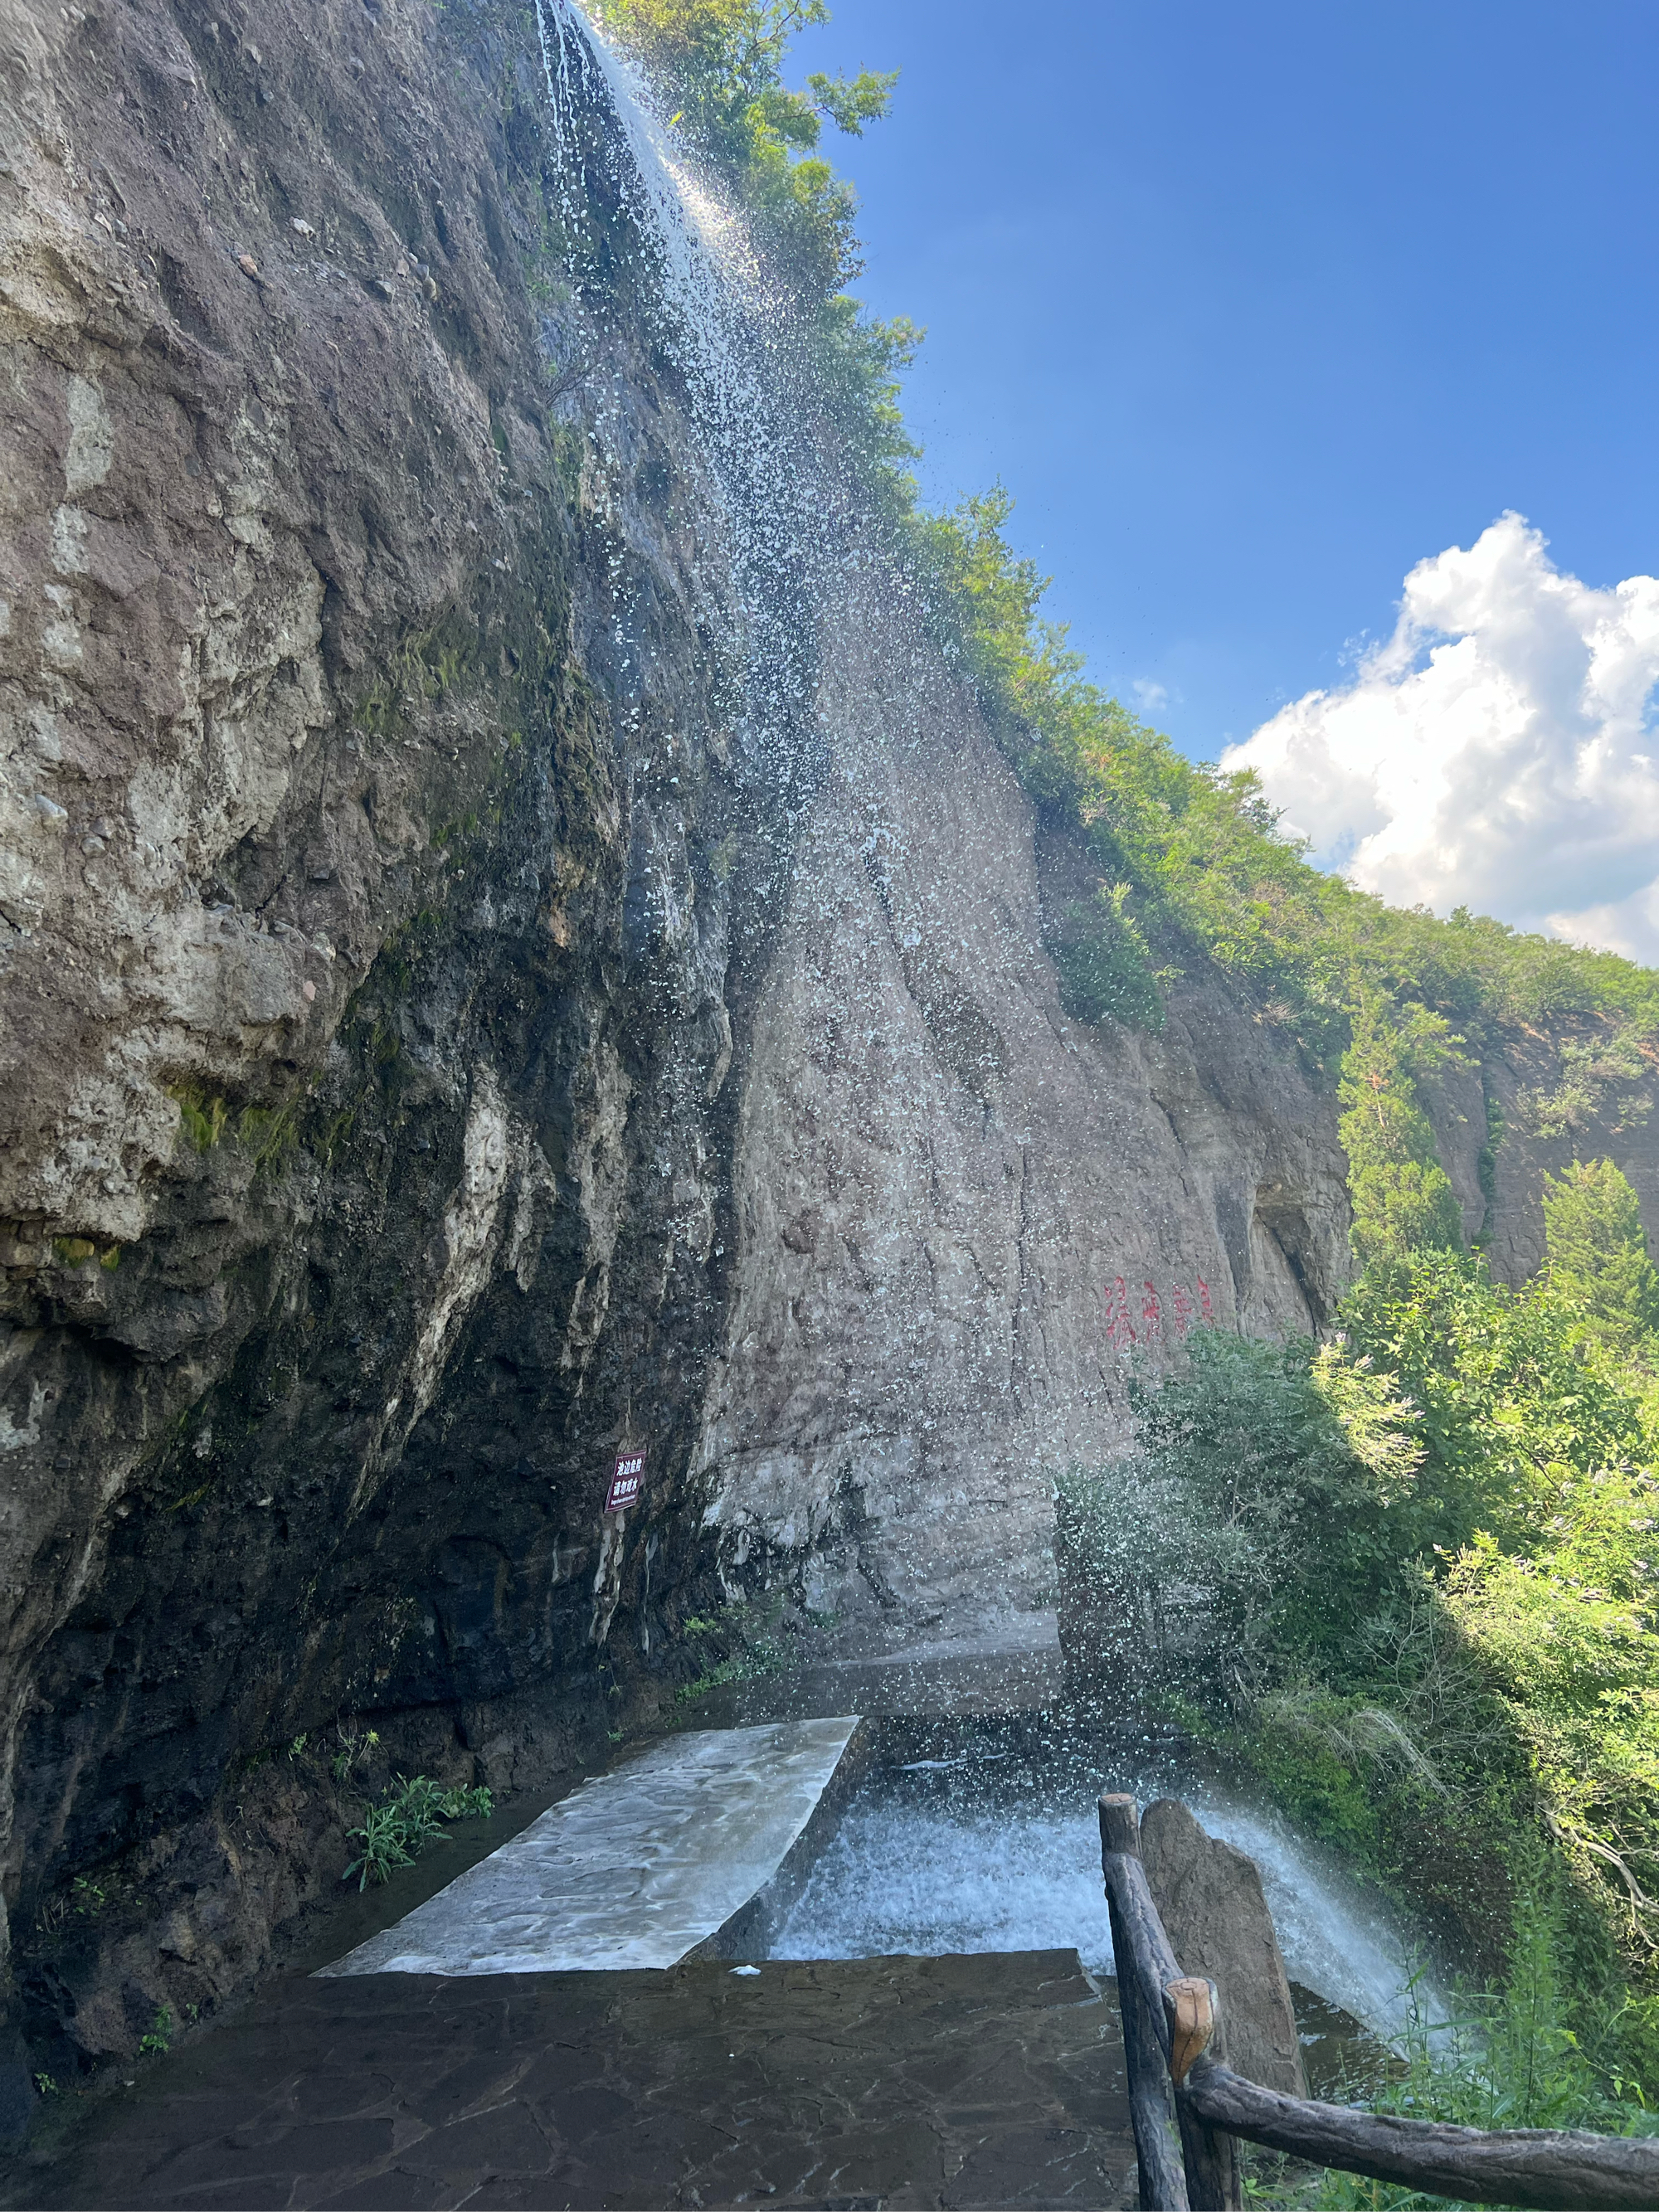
1401,1196
1598,1250
1101,955
410,1815
725,60
1239,1539
1510,2059
1422,1562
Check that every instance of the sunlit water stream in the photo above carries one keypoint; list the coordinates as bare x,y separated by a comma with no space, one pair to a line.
1002,1853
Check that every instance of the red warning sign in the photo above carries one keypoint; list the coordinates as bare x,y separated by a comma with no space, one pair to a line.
626,1478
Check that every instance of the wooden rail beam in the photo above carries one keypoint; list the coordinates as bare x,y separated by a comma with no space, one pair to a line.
1557,2169
1172,2035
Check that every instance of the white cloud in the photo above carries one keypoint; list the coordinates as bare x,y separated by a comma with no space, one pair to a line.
1150,698
1498,752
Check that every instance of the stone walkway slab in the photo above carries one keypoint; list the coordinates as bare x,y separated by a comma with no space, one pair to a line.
844,2086
633,1870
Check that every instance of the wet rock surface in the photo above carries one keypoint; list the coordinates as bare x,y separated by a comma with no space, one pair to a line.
1210,1900
990,2080
636,1869
369,982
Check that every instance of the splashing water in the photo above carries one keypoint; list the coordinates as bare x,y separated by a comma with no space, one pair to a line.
735,337
710,281
929,1879
915,1879
1334,1940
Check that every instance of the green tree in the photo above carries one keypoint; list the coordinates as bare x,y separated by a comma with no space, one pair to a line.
1402,1198
723,60
1510,1403
1263,1491
1598,1249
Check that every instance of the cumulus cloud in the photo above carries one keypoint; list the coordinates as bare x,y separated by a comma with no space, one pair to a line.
1499,750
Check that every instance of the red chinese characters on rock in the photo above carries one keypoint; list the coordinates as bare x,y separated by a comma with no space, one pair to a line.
1119,1329
1121,1332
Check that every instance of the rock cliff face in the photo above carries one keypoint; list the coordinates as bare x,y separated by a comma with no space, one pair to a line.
953,1206
371,958
440,1046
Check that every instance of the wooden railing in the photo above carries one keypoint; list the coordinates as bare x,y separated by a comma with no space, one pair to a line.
1187,2108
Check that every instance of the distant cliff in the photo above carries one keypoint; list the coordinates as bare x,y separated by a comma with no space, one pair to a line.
438,1048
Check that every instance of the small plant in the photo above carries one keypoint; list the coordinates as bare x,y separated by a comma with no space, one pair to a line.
410,1815
477,1804
296,1747
83,1900
384,1839
44,2086
716,1678
159,2041
1508,2060
355,1747
51,1914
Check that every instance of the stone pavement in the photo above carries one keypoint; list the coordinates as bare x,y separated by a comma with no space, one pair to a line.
634,1869
990,2080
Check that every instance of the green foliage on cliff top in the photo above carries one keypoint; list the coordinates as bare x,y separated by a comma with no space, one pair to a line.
1209,874
725,60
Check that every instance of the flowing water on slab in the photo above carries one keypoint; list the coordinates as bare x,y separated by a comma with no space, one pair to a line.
995,1847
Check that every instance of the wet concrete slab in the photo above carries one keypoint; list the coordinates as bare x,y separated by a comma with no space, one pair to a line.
634,1869
990,2080
1012,1666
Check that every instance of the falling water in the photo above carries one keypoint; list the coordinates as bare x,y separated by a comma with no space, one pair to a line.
710,282
734,334
907,1873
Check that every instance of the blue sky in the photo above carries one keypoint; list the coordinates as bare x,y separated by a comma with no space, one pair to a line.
1255,308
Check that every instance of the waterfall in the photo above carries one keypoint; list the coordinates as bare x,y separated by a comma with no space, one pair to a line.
930,1871
734,335
710,281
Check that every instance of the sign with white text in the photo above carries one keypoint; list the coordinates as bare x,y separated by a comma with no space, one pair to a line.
627,1478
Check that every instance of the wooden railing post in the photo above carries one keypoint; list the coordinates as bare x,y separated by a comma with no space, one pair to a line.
1211,2155
1151,2108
